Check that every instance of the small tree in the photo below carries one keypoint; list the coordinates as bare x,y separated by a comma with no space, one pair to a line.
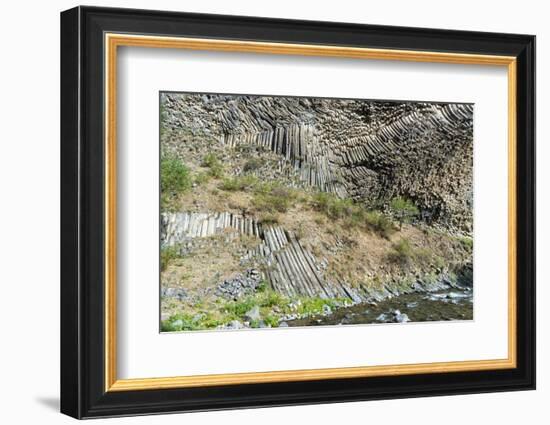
404,210
174,176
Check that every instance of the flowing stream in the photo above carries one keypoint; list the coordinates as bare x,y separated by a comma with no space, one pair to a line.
451,304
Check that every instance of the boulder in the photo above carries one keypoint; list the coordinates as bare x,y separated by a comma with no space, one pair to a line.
253,314
402,318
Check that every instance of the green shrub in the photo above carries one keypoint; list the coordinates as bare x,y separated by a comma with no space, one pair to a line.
202,178
321,202
334,207
212,162
404,210
344,208
262,286
174,176
427,256
189,322
315,305
270,203
354,215
252,165
168,254
209,160
424,255
239,183
207,322
239,308
273,198
255,324
177,323
439,261
273,306
402,252
169,326
268,218
312,306
271,298
271,321
466,242
379,223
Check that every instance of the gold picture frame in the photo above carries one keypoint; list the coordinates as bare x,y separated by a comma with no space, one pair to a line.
114,41
91,40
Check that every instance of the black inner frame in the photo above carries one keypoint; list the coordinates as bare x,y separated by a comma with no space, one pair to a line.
82,212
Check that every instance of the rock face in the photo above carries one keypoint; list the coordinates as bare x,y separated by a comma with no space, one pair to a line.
288,266
239,285
371,151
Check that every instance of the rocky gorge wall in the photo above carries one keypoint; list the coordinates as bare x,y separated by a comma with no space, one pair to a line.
368,151
371,151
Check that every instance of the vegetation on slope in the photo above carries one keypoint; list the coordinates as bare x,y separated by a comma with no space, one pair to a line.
272,309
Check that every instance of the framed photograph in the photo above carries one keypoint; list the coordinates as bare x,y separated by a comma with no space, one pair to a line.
261,212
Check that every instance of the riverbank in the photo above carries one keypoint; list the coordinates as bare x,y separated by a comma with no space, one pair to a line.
453,304
246,302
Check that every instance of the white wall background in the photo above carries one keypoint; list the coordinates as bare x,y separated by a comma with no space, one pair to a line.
29,224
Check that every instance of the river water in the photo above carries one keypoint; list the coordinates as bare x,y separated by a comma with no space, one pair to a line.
454,304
